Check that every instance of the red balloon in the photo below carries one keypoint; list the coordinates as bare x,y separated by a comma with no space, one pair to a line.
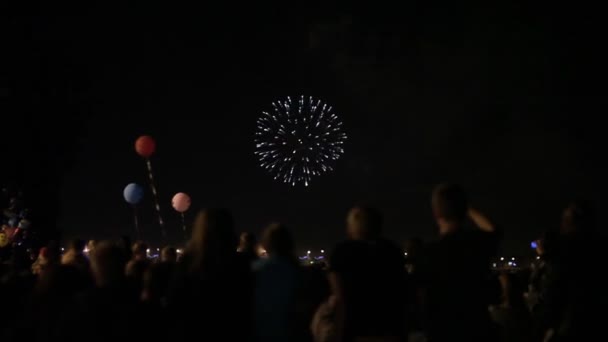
145,146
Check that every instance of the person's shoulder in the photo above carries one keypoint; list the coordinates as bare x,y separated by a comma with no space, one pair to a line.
344,244
275,264
83,257
342,255
350,245
387,247
131,264
597,240
240,265
241,259
259,264
388,244
390,250
159,267
86,298
481,236
433,249
185,259
342,247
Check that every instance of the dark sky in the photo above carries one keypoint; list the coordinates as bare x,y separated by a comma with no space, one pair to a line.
503,98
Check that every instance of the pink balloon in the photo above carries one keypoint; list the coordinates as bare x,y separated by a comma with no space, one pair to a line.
181,202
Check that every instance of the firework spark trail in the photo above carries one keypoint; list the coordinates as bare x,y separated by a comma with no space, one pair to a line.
297,142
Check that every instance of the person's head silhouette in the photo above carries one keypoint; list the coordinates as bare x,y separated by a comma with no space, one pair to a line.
277,241
578,217
168,254
247,242
213,238
449,203
140,250
108,264
364,223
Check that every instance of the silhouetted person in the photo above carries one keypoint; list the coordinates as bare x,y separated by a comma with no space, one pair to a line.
368,280
52,294
44,299
155,294
575,292
154,301
168,254
137,266
278,279
48,257
158,277
248,245
125,243
541,271
578,219
211,295
414,248
75,256
458,280
511,314
414,262
17,283
108,312
91,245
322,306
107,266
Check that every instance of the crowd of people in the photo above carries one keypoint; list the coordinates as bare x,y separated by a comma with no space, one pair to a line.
221,289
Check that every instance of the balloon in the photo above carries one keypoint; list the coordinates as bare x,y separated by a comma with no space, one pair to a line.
181,202
133,193
145,146
3,240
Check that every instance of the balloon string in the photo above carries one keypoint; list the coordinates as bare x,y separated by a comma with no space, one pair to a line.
183,222
136,221
184,226
154,192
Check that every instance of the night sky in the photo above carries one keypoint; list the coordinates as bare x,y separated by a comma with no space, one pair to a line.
505,99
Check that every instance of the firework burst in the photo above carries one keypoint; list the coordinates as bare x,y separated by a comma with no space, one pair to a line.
298,140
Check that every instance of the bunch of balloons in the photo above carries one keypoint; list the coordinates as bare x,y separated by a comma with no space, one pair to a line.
133,193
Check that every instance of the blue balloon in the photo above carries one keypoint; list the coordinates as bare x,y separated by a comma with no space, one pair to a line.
133,193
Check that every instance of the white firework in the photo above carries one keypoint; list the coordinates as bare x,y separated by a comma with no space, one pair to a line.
297,141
